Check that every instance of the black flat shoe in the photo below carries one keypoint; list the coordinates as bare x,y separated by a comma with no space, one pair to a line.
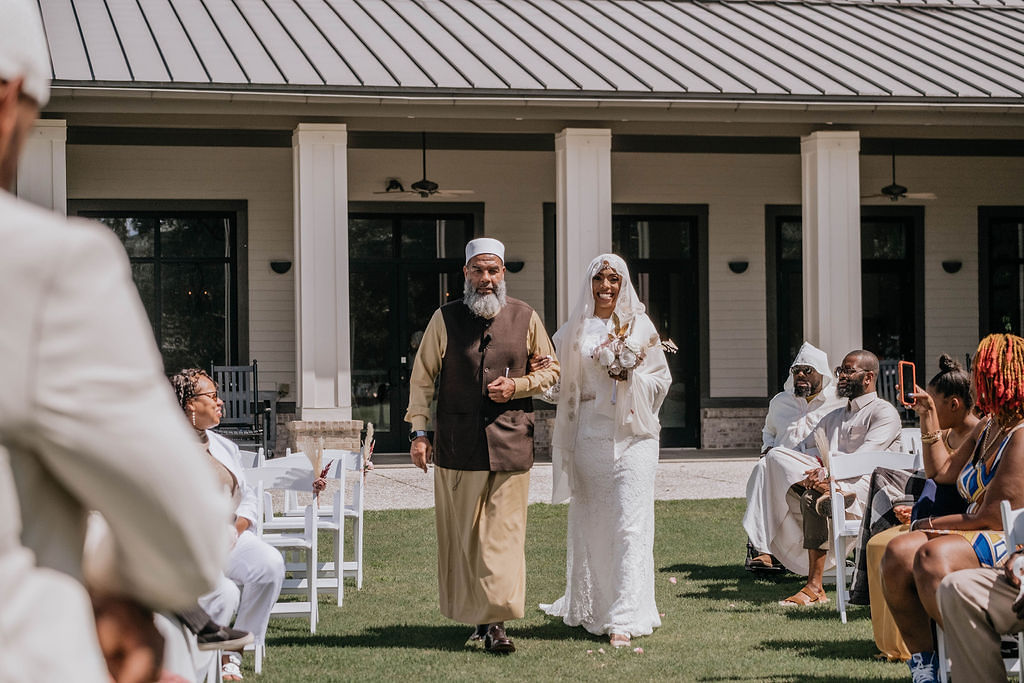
480,633
497,642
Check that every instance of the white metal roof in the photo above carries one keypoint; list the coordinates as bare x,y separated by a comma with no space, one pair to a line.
920,50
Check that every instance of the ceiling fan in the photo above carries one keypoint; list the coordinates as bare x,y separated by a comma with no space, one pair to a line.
423,187
896,192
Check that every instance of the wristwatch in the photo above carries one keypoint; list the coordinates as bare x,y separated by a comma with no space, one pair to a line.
416,433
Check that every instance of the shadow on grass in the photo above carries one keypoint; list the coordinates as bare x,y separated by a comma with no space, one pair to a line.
448,638
852,650
802,678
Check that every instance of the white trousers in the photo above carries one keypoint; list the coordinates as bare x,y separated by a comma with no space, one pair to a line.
222,602
259,569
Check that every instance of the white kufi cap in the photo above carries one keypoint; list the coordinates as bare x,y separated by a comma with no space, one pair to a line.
481,245
23,51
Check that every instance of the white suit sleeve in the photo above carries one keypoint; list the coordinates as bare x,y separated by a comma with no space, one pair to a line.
105,424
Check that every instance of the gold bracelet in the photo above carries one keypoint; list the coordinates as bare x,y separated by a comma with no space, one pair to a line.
931,438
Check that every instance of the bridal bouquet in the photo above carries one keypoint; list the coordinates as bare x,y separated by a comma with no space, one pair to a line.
619,354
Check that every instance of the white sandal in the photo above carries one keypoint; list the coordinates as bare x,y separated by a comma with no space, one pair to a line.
233,667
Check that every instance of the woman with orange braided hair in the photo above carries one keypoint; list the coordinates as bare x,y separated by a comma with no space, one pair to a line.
987,468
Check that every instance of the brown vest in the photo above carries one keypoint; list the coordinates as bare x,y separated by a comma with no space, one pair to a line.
472,431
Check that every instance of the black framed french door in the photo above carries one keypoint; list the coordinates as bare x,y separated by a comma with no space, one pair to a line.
662,252
1000,269
403,265
892,285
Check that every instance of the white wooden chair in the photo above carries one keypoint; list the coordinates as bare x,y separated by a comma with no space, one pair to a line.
1013,528
847,466
303,540
346,503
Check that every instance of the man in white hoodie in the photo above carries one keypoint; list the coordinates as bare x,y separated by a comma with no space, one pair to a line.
808,395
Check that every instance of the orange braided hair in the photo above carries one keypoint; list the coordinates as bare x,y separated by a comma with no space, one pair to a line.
999,377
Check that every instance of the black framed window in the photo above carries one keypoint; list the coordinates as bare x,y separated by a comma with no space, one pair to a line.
1001,271
185,265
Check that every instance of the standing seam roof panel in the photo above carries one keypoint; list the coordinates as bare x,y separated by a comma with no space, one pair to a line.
227,26
652,44
975,33
565,28
475,40
317,50
282,47
145,60
901,81
996,82
101,41
995,21
67,51
791,52
633,51
545,59
407,71
170,38
1006,67
949,74
364,64
911,72
738,67
752,49
816,52
212,47
394,20
448,45
702,67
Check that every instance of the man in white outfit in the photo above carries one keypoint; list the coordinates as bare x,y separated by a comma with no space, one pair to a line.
809,394
87,421
777,512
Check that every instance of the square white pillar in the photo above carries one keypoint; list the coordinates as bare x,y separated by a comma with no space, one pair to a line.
42,169
583,213
830,166
320,173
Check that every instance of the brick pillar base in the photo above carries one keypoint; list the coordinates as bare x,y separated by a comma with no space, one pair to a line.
339,434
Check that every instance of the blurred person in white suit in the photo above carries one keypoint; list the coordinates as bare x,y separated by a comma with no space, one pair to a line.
88,423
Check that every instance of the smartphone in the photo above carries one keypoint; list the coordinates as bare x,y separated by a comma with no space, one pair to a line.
907,382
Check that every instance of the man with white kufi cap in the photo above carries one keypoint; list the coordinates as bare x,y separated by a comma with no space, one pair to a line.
479,350
87,422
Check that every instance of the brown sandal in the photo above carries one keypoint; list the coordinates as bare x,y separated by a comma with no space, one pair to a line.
805,597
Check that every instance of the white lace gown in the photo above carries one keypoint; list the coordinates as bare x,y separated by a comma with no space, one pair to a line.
610,547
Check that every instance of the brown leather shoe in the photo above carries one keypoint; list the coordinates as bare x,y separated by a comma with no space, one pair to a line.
496,641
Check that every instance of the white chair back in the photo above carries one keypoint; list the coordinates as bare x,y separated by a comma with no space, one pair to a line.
848,466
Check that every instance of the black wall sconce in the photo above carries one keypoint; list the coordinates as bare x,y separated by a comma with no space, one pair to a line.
952,266
738,266
280,267
514,266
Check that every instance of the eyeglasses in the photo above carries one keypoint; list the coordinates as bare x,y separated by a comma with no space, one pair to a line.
847,372
801,370
212,394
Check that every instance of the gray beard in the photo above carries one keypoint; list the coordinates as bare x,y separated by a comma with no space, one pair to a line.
484,305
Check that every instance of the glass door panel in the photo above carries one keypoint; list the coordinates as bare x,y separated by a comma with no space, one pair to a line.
370,303
661,254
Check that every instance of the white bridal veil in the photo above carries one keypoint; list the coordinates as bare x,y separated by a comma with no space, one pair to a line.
638,399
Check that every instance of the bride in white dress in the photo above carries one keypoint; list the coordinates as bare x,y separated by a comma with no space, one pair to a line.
605,454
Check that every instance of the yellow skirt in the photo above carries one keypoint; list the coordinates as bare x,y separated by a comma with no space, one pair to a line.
887,635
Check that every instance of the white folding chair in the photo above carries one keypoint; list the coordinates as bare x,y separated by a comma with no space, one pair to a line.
1013,528
265,479
346,503
910,439
848,466
253,458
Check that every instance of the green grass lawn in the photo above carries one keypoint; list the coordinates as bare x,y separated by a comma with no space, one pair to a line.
719,624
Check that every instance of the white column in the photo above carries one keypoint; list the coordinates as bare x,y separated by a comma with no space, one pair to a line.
830,166
320,172
583,213
42,169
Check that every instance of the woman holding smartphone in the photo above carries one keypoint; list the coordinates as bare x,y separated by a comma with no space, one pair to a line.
987,468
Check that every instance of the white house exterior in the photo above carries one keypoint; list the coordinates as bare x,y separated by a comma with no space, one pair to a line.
727,147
